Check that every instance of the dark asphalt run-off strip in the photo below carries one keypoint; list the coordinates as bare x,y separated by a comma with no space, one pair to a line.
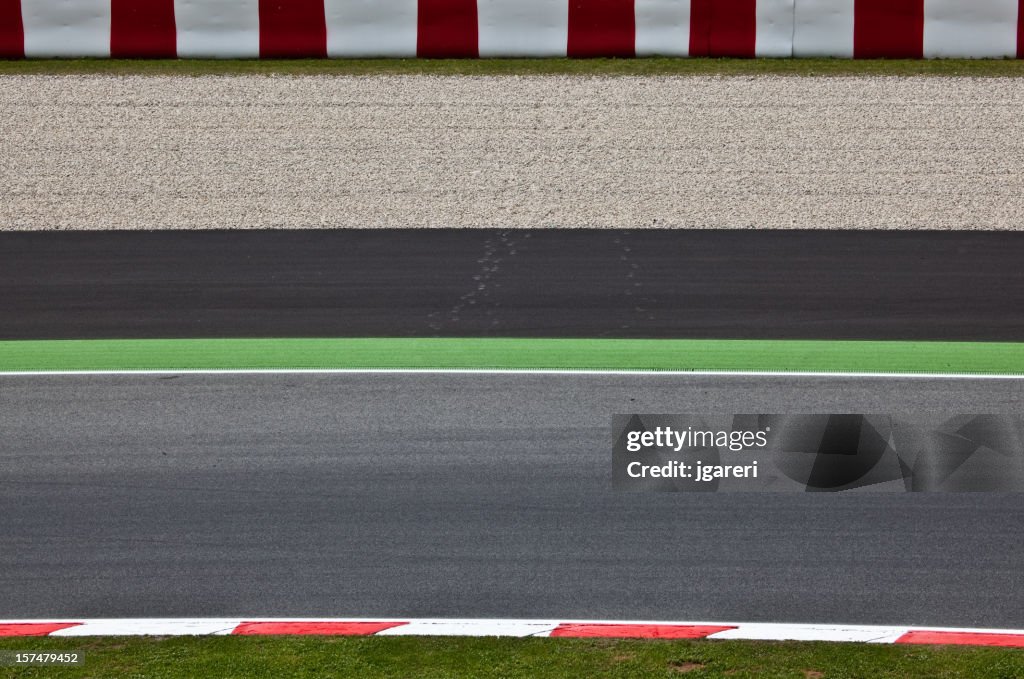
814,285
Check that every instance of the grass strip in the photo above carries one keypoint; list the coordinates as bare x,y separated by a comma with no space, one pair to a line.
654,66
455,657
515,354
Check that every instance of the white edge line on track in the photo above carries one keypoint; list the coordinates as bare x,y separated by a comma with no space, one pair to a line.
513,371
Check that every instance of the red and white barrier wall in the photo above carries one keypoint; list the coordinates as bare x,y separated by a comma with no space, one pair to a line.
909,28
491,28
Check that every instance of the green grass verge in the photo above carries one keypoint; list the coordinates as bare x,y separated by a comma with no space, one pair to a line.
453,657
516,354
646,67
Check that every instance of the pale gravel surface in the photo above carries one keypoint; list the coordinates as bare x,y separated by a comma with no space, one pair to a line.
91,152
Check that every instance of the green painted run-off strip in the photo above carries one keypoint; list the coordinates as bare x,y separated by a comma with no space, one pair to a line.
1002,358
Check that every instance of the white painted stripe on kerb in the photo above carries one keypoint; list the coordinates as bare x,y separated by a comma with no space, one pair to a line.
66,28
823,28
662,28
150,626
774,28
473,628
970,28
371,28
505,371
520,28
218,28
780,632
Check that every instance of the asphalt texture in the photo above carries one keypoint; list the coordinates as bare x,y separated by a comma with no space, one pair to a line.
463,495
517,283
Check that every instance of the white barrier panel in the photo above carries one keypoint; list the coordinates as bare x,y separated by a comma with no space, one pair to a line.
218,28
662,28
823,28
66,28
522,28
970,28
774,28
371,28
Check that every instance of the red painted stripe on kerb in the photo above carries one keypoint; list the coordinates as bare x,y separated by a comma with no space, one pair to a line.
602,28
34,629
12,30
447,28
963,638
143,29
324,628
892,29
723,28
637,631
293,29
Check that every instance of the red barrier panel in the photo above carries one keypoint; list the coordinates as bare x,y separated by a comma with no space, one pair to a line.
291,29
447,28
12,34
143,29
1020,30
723,28
602,28
888,28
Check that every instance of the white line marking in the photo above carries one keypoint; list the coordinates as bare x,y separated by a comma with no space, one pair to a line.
514,371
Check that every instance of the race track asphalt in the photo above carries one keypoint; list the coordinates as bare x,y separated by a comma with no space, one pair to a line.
462,495
518,283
